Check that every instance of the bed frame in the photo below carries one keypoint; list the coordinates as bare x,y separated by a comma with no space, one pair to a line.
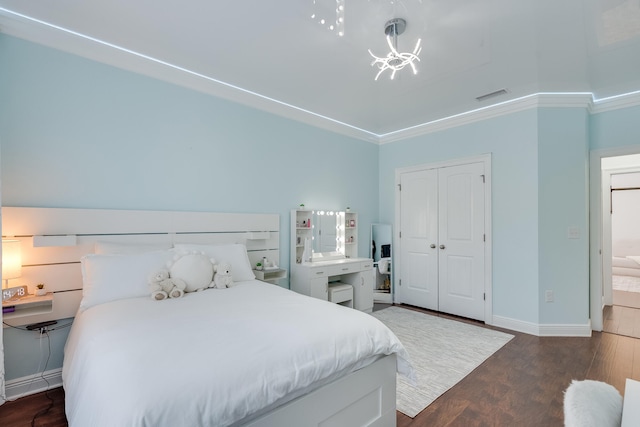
53,240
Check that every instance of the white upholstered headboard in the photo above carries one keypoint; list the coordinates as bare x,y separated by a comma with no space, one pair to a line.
53,240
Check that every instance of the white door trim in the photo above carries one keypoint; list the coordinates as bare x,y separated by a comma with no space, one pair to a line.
488,259
595,229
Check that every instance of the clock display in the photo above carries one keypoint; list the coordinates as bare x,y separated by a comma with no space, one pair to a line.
14,293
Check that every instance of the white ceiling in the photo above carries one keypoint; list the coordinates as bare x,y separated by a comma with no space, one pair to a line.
256,51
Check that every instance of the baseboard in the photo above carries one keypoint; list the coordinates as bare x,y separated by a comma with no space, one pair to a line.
568,330
544,330
32,384
515,325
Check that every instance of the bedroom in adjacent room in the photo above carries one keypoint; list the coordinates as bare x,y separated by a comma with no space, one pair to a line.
622,310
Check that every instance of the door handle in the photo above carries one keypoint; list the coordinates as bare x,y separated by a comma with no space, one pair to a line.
433,246
441,246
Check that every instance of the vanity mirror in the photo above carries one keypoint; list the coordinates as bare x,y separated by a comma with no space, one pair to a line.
326,230
329,235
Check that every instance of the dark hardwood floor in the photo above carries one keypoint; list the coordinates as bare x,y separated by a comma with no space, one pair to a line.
522,384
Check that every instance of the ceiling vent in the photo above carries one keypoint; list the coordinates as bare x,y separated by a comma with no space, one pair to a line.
492,95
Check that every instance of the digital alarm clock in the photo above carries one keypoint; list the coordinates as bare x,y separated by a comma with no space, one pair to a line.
14,293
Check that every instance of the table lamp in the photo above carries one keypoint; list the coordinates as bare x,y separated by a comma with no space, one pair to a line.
11,261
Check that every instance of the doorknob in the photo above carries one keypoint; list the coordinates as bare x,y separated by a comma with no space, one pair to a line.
441,246
433,246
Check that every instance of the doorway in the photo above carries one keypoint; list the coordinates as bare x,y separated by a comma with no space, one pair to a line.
621,244
443,218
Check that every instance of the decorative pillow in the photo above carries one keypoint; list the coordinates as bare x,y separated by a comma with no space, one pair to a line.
234,254
117,276
195,269
592,403
128,248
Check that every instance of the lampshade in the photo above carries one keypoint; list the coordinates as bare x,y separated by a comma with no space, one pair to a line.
11,260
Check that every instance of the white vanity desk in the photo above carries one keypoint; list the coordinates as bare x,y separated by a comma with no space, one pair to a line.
313,279
332,259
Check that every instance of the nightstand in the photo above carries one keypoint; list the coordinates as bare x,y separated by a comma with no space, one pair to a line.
29,305
271,275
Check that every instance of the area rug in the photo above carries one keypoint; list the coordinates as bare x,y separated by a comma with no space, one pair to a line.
442,352
625,283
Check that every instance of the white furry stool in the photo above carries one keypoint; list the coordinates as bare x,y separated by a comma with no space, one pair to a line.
592,404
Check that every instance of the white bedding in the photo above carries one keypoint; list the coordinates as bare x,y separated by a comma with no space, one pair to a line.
212,358
626,262
626,266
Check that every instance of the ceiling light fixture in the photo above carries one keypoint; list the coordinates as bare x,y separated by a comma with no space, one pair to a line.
395,60
329,17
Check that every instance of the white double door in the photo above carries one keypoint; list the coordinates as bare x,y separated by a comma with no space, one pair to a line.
442,239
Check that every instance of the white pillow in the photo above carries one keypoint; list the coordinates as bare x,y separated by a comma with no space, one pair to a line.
590,403
128,248
195,270
117,276
234,254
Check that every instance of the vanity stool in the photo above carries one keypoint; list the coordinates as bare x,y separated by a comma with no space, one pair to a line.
341,293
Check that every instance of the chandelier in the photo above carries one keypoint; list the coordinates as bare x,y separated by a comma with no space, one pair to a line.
396,61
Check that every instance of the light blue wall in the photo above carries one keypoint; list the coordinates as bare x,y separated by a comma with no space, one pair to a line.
513,143
77,133
563,153
614,129
25,353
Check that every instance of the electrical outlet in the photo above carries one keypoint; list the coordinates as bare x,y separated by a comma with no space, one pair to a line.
573,232
41,333
548,296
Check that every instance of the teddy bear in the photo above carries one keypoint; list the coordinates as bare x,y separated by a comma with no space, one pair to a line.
223,278
162,286
195,269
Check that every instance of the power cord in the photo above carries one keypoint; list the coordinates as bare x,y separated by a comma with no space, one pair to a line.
44,331
39,360
15,327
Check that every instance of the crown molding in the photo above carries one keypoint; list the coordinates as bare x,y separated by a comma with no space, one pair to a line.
537,100
46,34
616,102
84,46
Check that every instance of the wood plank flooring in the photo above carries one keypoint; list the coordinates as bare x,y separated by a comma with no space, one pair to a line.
622,320
520,385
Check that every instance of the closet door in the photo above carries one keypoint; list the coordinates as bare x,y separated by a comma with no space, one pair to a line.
442,239
419,234
461,240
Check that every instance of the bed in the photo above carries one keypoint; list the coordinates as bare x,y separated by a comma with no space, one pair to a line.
626,266
217,357
626,257
255,354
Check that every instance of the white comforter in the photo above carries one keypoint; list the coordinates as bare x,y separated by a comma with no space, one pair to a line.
211,358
